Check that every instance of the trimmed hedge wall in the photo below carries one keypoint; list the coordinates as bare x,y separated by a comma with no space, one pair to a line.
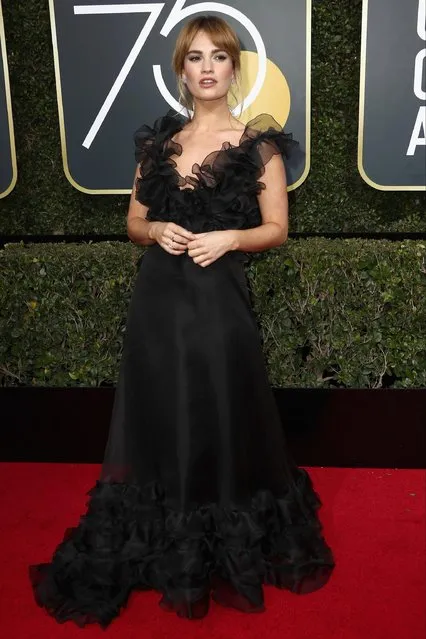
332,313
334,198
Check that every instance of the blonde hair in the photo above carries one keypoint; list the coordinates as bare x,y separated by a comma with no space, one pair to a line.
221,34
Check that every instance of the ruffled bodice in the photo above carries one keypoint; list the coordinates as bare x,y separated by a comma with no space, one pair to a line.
223,193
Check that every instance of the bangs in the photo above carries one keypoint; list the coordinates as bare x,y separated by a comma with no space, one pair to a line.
220,33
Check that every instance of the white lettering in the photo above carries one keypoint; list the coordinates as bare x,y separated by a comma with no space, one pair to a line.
418,136
155,10
419,75
420,127
421,20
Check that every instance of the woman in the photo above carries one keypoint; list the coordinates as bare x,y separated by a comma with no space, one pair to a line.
198,496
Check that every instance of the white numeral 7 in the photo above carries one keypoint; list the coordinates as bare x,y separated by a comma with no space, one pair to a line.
154,10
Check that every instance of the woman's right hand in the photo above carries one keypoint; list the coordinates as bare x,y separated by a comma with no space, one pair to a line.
171,237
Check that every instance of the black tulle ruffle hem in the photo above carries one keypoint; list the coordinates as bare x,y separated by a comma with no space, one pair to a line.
130,540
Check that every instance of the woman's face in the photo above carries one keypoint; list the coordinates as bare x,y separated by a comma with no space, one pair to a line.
208,71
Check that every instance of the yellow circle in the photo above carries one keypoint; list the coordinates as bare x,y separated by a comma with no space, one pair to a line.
274,96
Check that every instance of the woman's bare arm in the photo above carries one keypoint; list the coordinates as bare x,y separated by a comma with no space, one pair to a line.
273,204
138,228
172,237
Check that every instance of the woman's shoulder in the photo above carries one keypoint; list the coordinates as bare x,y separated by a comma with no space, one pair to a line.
262,123
161,126
152,136
264,137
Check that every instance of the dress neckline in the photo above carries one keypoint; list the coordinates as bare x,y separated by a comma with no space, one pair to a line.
207,161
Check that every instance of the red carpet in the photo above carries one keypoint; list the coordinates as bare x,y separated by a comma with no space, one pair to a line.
374,519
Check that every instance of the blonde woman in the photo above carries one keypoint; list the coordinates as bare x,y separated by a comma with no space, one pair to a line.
198,496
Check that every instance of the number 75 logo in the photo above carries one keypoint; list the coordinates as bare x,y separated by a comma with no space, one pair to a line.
99,91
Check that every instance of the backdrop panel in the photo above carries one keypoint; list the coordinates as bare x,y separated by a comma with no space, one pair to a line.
7,144
392,122
113,73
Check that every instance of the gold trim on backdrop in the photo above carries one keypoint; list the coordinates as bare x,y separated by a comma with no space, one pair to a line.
308,97
83,189
8,107
61,115
361,119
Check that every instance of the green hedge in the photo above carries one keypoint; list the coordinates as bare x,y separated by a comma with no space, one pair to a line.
347,313
334,198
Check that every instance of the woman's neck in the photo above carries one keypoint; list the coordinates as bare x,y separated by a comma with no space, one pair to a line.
211,116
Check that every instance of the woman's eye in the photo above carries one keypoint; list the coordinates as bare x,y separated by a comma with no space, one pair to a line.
220,56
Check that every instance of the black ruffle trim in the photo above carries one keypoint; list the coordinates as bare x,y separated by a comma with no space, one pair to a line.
130,540
223,193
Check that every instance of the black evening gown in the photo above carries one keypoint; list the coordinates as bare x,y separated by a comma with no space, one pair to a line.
198,495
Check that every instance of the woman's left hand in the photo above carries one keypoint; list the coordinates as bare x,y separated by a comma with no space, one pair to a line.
208,247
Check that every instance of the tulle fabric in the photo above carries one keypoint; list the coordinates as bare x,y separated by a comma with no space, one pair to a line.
198,496
130,540
223,193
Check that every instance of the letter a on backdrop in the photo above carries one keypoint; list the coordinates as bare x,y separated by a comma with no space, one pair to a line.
392,109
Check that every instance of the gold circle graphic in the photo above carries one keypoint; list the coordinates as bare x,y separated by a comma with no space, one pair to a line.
274,96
